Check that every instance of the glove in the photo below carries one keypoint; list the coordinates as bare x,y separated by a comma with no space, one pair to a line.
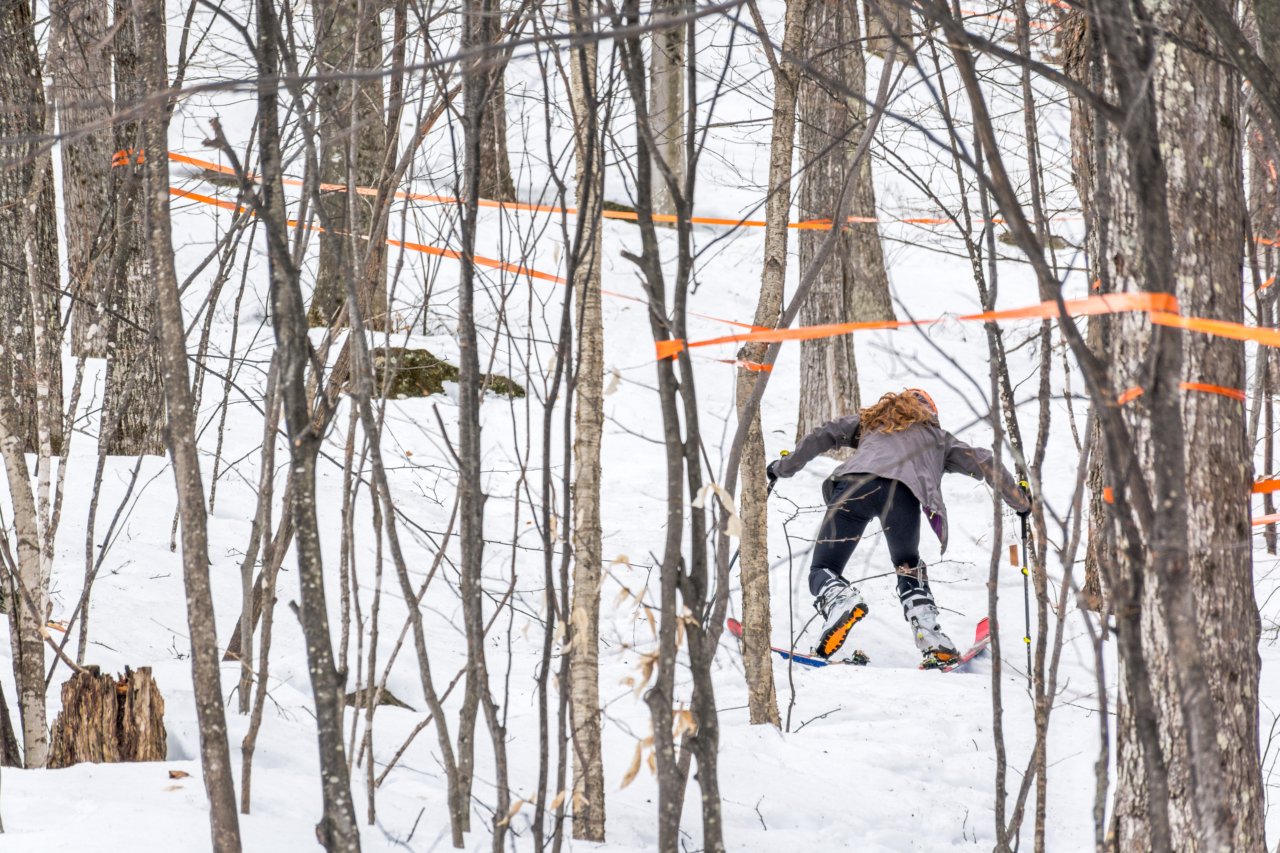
771,471
1026,493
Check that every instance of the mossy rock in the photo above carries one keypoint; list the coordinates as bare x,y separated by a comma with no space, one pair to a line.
356,699
418,373
1056,242
615,207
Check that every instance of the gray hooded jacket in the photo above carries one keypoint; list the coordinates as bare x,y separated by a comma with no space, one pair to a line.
917,457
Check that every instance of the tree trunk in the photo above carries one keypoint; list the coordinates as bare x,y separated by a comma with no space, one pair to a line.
29,594
1188,774
853,285
148,25
132,404
30,352
666,102
337,829
757,631
1077,62
1201,141
885,19
10,754
353,142
584,664
80,63
30,337
105,720
496,182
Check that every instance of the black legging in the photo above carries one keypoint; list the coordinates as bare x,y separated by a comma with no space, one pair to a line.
849,509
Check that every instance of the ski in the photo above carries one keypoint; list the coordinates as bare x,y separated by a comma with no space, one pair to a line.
981,639
858,658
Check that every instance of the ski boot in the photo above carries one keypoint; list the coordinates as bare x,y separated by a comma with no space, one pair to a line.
841,607
935,647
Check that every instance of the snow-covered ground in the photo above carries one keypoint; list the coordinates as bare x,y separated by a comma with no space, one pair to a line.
879,758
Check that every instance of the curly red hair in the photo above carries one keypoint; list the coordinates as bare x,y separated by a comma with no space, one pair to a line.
896,412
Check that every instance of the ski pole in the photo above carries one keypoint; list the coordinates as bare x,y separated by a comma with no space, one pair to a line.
1026,590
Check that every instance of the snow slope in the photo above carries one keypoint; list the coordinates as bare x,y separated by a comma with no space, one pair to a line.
882,758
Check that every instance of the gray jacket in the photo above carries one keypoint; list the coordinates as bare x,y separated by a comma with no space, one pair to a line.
917,457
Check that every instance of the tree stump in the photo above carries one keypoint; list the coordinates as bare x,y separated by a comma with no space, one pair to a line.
105,720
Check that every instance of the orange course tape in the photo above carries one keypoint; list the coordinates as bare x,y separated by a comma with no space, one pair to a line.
479,260
1106,304
1234,393
624,215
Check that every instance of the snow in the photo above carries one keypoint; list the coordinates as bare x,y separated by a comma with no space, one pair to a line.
881,758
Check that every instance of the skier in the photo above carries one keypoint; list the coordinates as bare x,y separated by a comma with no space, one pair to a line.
894,473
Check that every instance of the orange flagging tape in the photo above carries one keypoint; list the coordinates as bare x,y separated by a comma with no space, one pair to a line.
1266,487
1234,393
1129,394
1266,519
747,365
416,247
1108,496
624,215
1219,328
1105,304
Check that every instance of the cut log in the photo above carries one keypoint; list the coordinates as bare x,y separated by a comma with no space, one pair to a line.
105,719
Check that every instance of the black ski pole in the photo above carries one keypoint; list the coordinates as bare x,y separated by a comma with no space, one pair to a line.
1026,595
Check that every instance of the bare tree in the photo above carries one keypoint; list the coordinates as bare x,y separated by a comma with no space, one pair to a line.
1202,160
666,99
30,357
853,285
353,135
31,363
147,22
584,619
757,626
337,829
132,405
80,64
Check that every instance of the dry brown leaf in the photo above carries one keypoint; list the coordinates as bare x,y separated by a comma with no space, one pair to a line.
615,378
178,774
557,800
515,808
653,763
648,614
580,801
633,769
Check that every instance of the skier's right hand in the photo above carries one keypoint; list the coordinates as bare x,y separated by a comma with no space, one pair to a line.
771,471
1026,494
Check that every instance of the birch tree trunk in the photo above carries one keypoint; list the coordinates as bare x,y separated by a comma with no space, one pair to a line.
80,63
132,404
353,142
30,332
148,24
853,285
584,664
30,597
757,631
666,101
30,353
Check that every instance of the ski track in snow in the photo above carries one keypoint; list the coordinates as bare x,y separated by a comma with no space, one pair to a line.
881,758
